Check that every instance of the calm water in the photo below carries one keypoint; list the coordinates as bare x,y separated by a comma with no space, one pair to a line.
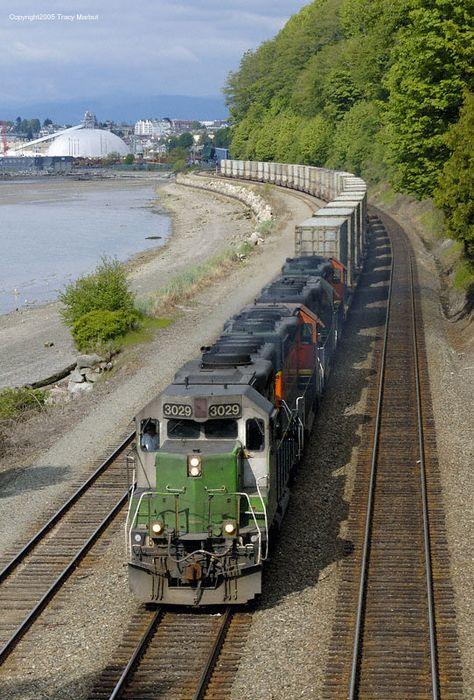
52,232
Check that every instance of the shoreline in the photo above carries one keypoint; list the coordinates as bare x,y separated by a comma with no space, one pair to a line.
126,243
200,225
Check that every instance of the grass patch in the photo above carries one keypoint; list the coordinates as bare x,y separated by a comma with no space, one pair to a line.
433,221
464,276
265,227
16,403
146,331
183,287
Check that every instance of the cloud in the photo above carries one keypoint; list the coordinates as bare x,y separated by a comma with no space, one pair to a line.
157,46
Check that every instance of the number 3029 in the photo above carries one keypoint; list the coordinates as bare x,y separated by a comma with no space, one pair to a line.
224,410
177,410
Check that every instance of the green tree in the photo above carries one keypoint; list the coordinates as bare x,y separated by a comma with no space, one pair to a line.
354,144
129,159
314,140
432,64
454,193
223,137
35,125
185,140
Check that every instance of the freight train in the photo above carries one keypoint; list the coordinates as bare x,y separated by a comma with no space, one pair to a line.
216,449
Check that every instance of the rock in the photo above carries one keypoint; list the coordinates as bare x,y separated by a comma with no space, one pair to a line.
49,344
91,375
58,394
109,365
76,376
88,360
74,388
255,238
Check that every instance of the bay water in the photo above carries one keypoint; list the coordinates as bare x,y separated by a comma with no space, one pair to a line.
54,230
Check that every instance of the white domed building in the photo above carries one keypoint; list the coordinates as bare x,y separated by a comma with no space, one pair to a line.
87,143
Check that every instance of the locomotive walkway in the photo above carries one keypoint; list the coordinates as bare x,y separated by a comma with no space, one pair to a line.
395,634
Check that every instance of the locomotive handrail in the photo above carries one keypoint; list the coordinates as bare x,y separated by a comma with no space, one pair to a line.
264,513
128,535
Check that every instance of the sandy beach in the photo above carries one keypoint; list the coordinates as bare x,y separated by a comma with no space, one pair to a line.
201,226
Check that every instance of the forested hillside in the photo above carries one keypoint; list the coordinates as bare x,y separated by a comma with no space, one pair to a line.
378,87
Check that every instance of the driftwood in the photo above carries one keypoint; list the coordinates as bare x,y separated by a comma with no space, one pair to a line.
52,379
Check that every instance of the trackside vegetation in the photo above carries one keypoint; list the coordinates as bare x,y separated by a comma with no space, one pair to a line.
99,308
383,89
15,403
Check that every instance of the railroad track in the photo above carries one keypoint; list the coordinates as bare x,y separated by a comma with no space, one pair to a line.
31,578
169,654
395,635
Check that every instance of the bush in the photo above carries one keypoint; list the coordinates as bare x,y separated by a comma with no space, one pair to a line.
15,402
97,327
106,289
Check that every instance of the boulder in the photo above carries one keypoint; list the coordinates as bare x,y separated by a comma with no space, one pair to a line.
76,376
75,389
254,238
88,360
91,375
56,395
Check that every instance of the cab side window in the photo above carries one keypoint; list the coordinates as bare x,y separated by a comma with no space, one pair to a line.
306,334
255,434
150,435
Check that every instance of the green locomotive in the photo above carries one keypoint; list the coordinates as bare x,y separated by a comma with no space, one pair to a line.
215,450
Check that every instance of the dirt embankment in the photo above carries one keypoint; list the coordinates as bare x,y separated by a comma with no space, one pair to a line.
426,222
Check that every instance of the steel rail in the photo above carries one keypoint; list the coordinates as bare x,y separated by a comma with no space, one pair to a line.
136,655
354,677
424,501
141,646
18,558
59,581
213,655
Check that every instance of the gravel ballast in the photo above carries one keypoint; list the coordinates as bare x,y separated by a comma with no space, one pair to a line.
63,655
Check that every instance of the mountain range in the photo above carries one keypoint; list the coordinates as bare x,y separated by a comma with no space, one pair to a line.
122,108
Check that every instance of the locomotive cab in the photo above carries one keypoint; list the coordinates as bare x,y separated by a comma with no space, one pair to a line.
197,524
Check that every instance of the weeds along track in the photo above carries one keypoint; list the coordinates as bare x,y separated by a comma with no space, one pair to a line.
172,654
395,630
31,578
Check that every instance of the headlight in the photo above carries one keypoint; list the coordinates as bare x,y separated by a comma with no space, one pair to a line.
157,527
194,466
138,537
229,528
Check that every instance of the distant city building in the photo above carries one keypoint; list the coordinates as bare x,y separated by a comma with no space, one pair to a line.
152,127
181,125
87,143
89,121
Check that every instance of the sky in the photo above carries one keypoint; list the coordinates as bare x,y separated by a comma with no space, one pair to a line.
126,49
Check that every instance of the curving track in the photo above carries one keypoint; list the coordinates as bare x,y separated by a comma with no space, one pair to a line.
395,635
33,576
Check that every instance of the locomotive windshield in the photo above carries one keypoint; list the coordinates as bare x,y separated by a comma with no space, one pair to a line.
214,429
